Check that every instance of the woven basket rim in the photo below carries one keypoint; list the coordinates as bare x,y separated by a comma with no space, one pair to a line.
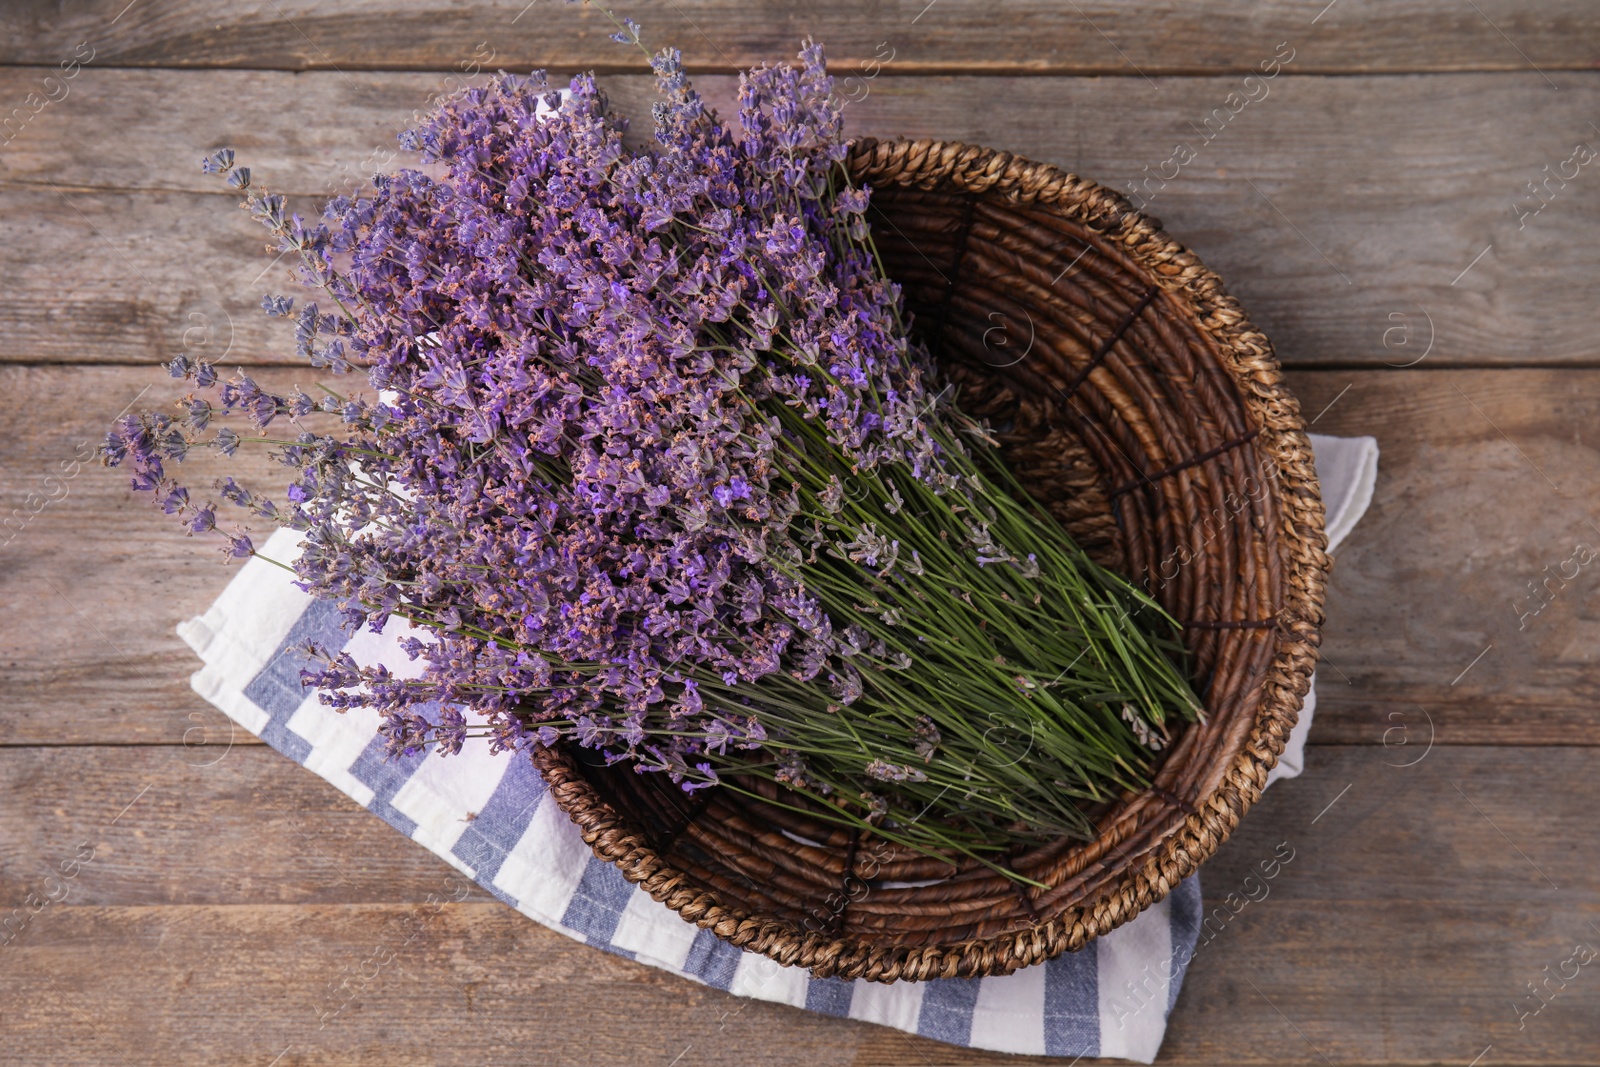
1248,359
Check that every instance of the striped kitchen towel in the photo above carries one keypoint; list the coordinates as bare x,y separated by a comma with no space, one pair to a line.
491,818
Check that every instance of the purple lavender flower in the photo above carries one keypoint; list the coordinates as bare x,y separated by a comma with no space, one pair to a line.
643,418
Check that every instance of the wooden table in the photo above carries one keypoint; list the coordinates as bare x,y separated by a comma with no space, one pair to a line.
1371,206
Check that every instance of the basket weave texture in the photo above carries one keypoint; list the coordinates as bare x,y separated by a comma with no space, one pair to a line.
1134,399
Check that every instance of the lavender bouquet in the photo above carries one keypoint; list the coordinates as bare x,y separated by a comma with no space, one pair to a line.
653,463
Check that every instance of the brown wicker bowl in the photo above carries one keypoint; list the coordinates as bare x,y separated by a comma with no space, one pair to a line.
1134,398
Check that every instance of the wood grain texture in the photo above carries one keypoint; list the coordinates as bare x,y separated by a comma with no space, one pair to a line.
92,585
1363,221
1485,492
1094,37
242,935
224,823
92,578
1328,207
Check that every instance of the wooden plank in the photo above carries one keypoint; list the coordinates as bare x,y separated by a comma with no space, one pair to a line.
369,984
246,825
1328,207
181,940
94,579
1483,496
92,586
136,278
222,823
1095,37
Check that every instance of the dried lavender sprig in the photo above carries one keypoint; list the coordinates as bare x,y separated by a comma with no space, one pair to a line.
712,309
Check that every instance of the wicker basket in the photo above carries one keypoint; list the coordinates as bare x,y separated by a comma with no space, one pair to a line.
1135,399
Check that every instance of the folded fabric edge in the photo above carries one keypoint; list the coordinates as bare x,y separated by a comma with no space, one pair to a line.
1352,464
199,632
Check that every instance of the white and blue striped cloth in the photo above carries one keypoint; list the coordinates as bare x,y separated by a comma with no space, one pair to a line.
491,818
